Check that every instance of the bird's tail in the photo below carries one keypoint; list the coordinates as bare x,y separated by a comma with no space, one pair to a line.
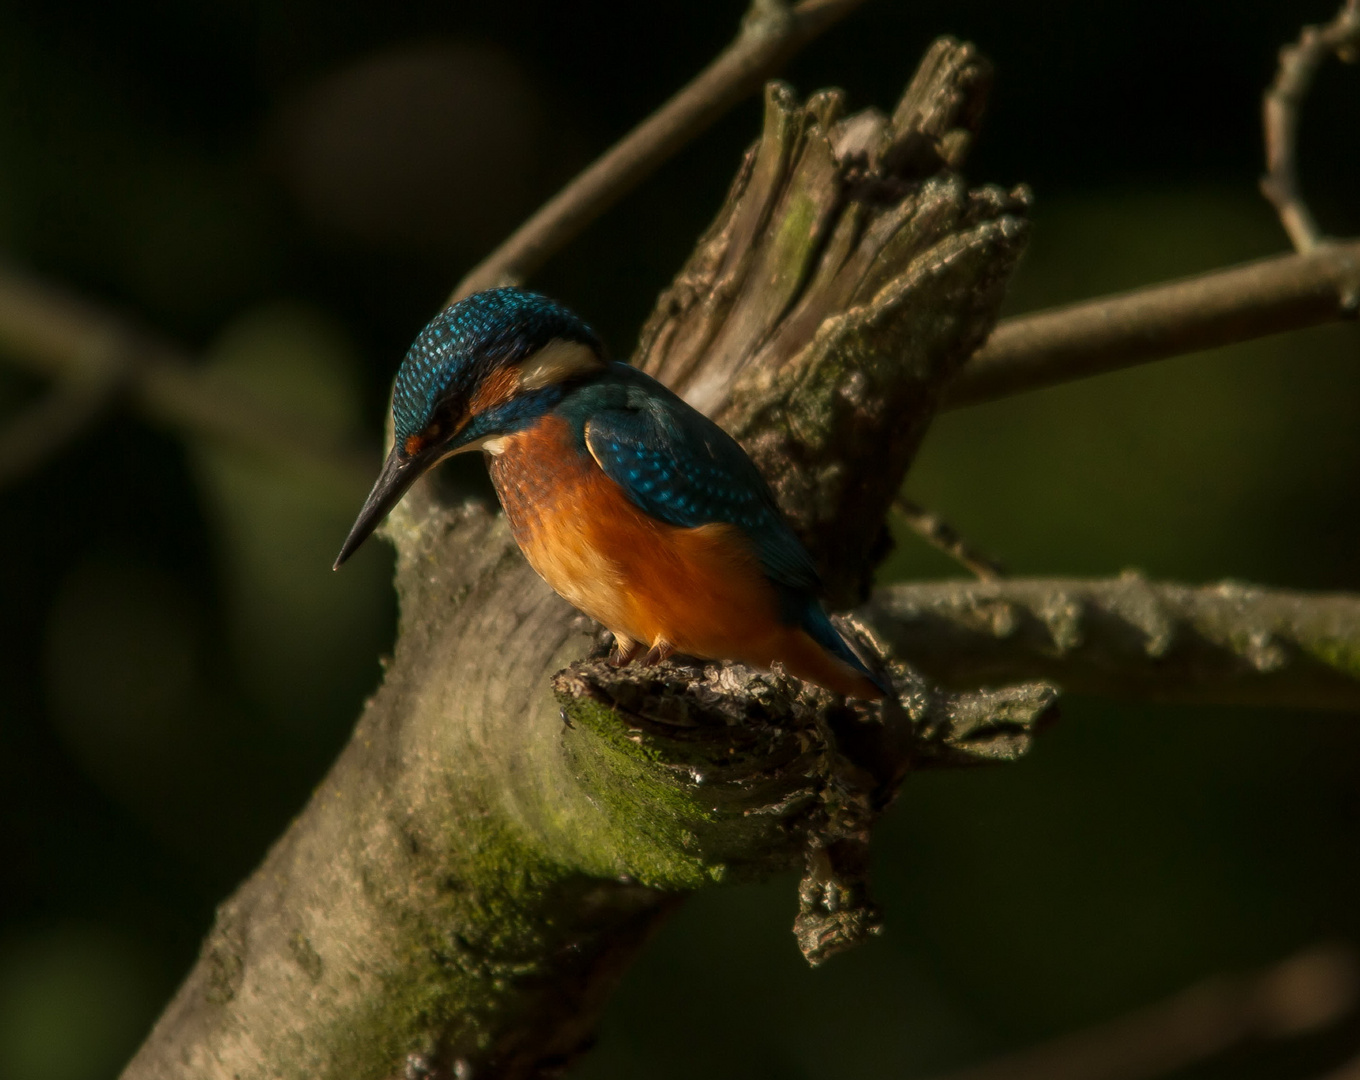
818,626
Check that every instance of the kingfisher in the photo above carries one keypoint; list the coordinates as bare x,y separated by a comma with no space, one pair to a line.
635,507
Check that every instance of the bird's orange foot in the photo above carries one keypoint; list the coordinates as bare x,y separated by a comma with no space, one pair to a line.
623,655
658,652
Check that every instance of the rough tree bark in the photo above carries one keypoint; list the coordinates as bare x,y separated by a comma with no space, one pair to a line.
497,840
1225,644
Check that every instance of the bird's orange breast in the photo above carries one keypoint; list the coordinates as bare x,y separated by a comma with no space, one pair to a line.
700,590
646,580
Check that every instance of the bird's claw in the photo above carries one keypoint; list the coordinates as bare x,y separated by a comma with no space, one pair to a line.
657,653
623,655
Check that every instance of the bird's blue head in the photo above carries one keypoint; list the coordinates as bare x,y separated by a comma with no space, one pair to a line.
482,369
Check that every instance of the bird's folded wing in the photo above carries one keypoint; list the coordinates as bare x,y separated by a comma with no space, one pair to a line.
686,471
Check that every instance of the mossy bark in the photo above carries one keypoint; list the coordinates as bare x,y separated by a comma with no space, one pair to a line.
510,822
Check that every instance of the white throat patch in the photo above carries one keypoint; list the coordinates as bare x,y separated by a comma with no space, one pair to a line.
493,444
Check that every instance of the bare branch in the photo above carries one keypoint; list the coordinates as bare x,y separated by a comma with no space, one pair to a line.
1256,299
54,334
770,33
1298,64
1126,637
75,403
45,330
1307,992
942,536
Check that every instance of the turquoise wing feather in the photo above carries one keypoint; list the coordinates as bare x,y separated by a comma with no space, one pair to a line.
681,468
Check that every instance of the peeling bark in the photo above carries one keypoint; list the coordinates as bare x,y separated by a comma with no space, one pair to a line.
850,274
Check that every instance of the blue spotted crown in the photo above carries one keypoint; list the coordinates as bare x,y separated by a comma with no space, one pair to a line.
470,340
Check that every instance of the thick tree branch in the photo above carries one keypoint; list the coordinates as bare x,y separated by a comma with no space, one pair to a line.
1285,292
1298,64
467,885
770,34
1227,644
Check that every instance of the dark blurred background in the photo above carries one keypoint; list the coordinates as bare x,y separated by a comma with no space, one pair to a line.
291,189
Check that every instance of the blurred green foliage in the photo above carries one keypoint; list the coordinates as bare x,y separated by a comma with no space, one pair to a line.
69,996
302,642
292,190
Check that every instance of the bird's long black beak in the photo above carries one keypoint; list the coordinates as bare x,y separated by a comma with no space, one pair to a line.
399,472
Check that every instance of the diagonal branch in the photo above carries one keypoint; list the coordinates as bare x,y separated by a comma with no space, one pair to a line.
1226,644
53,333
1320,284
770,33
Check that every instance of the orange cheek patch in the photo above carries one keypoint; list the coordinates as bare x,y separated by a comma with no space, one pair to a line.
412,445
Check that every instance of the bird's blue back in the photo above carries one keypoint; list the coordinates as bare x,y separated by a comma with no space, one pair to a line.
681,468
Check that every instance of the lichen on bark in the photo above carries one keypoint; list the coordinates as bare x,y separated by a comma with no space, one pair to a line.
1228,644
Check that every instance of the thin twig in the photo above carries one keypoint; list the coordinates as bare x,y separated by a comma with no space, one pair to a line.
1129,638
770,33
1298,64
939,534
75,403
56,335
1306,993
1286,292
